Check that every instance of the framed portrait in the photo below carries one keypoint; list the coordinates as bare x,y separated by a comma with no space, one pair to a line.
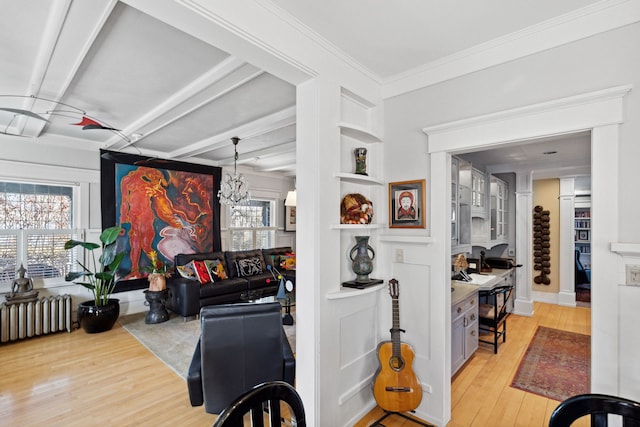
162,205
289,218
406,204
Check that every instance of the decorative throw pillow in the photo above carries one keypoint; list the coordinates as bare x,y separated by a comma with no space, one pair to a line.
188,271
216,269
249,267
288,261
201,272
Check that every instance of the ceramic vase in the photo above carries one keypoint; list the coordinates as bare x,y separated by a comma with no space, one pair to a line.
361,160
361,261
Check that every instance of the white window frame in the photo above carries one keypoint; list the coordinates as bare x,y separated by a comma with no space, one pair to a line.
272,229
22,235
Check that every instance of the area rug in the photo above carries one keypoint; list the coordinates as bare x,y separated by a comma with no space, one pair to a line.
173,341
556,364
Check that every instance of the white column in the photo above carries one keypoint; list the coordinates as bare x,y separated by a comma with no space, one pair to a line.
567,294
524,242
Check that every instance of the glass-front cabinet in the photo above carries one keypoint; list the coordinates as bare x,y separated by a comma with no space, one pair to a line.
478,193
454,202
461,183
499,202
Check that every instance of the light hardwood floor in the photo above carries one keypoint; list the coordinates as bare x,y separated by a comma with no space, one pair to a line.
481,395
110,379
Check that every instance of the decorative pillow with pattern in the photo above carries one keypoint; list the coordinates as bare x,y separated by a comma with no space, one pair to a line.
188,271
249,267
216,269
288,261
202,273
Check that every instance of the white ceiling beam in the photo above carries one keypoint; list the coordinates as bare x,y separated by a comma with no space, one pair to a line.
201,91
277,167
265,153
71,29
252,129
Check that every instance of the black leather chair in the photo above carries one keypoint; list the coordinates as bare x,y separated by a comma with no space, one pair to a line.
492,314
241,345
265,399
598,406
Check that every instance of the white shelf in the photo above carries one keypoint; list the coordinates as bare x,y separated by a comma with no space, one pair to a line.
355,226
358,179
351,292
358,132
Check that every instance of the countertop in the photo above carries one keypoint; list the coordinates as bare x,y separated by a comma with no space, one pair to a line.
461,289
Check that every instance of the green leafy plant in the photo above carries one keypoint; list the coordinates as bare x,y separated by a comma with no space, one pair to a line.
99,275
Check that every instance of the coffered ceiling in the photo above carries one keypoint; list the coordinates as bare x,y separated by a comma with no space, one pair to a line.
168,94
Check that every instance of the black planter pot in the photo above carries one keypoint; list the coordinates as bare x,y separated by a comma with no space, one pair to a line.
95,319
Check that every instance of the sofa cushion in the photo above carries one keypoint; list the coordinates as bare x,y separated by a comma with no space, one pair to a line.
288,261
216,269
211,289
202,272
249,267
273,256
245,263
187,271
184,259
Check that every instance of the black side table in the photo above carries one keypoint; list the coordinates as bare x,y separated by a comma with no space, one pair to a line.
157,311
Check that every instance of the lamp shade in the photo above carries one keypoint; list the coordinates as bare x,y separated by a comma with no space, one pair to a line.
291,199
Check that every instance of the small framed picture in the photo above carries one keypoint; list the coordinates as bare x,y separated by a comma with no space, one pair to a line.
583,235
289,218
406,204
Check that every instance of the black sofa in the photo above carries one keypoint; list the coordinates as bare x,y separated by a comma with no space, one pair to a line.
187,296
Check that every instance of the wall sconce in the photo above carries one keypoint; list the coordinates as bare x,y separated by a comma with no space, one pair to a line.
291,198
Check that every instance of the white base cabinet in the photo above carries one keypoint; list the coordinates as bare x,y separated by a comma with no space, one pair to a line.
464,331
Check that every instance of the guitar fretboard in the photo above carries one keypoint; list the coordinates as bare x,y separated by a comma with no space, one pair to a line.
395,331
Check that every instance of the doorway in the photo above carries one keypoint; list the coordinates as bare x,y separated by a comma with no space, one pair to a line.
600,112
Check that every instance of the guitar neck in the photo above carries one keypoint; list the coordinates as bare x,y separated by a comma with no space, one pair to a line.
395,330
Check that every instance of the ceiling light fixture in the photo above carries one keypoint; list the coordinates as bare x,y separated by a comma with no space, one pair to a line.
233,189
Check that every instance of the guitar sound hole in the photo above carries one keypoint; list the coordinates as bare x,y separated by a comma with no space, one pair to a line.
396,363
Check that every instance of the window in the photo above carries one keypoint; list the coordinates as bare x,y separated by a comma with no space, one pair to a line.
35,222
252,225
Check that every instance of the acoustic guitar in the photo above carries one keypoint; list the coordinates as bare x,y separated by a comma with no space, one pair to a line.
396,387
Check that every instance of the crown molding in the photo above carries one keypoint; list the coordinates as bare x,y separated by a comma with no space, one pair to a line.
594,19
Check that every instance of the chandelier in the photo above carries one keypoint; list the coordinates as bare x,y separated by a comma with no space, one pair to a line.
233,189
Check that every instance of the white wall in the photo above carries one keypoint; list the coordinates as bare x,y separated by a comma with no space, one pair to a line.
599,62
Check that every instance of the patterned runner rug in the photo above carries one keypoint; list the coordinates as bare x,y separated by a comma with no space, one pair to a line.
556,364
173,341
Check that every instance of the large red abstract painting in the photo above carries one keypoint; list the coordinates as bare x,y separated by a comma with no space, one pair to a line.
164,207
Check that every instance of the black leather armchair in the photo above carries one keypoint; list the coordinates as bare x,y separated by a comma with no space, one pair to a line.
241,346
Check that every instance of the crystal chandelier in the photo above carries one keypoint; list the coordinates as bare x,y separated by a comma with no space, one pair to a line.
233,189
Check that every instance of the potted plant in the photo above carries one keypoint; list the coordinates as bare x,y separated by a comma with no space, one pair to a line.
157,273
98,275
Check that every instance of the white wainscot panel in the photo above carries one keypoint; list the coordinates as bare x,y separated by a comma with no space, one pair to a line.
358,344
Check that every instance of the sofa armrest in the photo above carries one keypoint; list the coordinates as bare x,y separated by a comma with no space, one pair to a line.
184,296
289,361
194,378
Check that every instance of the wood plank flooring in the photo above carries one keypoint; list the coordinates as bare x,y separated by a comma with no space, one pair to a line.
481,395
110,379
80,379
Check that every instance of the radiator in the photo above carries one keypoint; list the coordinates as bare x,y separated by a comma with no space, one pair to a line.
29,319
